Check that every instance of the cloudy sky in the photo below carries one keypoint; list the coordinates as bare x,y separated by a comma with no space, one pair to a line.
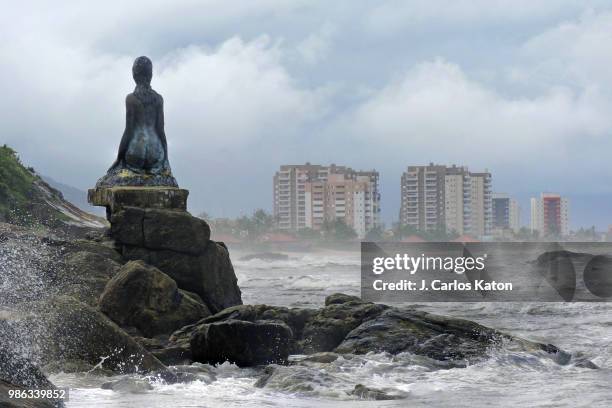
521,88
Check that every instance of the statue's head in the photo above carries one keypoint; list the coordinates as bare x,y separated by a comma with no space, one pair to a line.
142,70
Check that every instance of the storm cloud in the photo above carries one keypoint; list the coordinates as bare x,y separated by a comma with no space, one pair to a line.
522,89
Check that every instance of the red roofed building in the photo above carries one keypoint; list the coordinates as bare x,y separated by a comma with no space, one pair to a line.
413,238
465,238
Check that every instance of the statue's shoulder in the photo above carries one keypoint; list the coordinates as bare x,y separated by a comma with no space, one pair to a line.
130,98
158,98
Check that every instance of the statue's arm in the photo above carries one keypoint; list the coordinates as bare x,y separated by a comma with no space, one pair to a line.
129,127
159,124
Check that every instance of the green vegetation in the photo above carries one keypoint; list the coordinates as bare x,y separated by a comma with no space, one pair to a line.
245,227
22,201
438,235
337,230
16,186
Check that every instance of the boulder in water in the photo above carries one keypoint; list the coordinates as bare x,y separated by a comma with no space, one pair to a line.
243,343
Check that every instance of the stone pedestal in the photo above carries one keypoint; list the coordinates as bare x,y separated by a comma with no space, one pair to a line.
152,224
116,198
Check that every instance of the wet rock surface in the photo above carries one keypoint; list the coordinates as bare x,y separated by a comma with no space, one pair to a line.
349,326
78,332
240,342
142,296
210,274
141,304
18,373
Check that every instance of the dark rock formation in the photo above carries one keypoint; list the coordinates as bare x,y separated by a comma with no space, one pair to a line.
241,342
210,274
77,332
164,235
347,325
142,296
326,329
85,275
396,331
18,373
159,229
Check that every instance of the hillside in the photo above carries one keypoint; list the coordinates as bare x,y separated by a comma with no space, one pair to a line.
75,196
26,199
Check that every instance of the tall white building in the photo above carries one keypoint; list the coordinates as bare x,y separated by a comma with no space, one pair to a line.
446,197
305,196
550,215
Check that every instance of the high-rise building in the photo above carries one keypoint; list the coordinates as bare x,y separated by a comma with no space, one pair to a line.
437,197
550,215
305,196
506,213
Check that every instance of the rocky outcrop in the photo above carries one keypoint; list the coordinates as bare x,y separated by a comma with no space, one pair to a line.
396,331
180,246
241,342
77,332
326,329
210,274
143,297
347,325
160,229
86,274
19,373
26,199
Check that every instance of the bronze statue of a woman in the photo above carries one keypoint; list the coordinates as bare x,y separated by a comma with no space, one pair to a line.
143,152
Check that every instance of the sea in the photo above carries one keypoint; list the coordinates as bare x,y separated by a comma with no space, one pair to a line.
506,379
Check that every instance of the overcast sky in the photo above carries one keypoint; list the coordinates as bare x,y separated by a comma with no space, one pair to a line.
521,88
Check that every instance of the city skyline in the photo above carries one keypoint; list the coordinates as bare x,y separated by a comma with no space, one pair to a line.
434,197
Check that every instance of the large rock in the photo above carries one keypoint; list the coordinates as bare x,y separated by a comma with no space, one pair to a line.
452,340
347,325
19,373
327,328
85,274
210,275
312,330
160,229
74,331
294,318
7,402
241,342
142,296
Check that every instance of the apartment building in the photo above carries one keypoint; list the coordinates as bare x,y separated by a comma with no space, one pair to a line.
437,197
506,213
305,196
550,215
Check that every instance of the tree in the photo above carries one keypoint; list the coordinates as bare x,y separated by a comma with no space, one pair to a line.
338,230
525,234
256,225
375,234
308,233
